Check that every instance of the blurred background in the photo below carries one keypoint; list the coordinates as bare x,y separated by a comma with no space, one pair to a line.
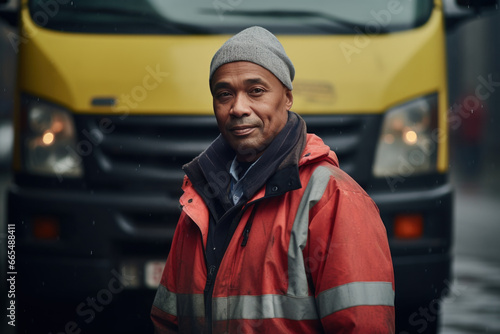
474,307
473,53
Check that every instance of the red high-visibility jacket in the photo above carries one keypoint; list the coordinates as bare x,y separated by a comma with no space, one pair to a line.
316,260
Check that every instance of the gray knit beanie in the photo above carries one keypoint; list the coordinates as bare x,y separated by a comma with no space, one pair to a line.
259,46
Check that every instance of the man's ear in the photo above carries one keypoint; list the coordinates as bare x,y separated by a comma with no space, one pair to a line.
289,99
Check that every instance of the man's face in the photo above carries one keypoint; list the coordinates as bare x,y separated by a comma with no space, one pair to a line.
251,106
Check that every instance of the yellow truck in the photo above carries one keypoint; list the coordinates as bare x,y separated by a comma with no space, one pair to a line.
113,98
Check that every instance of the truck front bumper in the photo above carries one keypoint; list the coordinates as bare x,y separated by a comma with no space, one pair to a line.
422,267
100,237
110,233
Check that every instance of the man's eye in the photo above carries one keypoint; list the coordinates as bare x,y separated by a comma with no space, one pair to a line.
223,94
257,90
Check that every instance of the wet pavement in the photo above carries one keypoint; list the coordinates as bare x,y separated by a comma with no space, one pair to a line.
473,305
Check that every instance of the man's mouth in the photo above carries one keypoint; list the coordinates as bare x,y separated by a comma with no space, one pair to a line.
242,130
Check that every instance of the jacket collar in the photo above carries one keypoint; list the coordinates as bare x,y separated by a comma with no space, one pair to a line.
277,167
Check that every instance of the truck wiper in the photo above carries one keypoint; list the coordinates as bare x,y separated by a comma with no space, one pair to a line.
150,17
349,25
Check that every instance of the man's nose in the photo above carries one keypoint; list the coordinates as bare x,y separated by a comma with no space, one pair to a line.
241,106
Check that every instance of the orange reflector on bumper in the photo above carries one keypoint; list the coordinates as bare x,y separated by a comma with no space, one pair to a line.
409,226
46,228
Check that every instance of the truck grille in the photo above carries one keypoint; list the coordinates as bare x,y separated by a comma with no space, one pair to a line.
147,152
353,138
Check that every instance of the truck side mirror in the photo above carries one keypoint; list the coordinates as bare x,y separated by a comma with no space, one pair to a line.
9,11
458,11
477,3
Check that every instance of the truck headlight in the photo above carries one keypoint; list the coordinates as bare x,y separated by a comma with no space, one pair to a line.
49,147
407,145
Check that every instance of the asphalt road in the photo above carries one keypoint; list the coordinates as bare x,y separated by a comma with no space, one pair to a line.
473,305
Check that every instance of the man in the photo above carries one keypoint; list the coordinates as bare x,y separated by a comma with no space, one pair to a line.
273,237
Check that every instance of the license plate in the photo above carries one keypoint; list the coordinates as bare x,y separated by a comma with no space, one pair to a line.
153,271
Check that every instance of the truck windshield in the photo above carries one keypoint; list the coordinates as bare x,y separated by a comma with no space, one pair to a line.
230,16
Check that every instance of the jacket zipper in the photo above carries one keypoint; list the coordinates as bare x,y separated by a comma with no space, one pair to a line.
248,226
209,285
209,289
213,270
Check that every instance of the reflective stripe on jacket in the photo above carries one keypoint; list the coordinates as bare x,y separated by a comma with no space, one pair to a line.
316,261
